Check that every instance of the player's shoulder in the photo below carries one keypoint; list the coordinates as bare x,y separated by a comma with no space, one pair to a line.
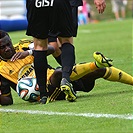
23,44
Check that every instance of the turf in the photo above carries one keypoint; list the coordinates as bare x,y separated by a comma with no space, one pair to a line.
114,39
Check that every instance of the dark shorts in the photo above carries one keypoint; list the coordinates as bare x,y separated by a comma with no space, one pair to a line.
75,25
55,20
75,20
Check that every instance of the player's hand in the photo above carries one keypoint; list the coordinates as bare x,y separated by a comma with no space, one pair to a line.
100,5
19,55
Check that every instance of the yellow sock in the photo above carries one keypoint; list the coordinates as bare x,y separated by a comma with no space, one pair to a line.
114,74
80,70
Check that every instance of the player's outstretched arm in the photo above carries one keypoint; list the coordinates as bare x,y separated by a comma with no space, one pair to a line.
20,55
23,54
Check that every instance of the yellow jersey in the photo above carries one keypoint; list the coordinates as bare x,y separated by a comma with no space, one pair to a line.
20,68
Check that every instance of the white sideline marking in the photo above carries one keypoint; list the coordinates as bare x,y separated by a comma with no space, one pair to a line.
89,31
125,116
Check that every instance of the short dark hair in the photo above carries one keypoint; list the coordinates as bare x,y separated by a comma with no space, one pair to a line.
3,33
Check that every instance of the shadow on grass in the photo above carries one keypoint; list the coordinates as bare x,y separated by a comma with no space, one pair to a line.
84,95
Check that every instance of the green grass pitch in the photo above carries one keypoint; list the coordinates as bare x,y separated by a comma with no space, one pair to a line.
106,109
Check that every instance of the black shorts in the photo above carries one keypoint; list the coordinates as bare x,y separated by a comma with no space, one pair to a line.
44,19
75,20
75,4
75,24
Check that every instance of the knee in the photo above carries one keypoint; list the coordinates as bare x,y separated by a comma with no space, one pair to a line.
4,100
58,73
56,78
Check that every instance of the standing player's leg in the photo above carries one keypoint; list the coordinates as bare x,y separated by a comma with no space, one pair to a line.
69,50
38,28
40,66
68,61
56,44
64,26
55,41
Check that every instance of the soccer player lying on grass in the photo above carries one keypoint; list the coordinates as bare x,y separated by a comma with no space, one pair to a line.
13,67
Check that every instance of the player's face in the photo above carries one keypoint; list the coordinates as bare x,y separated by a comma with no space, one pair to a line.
6,48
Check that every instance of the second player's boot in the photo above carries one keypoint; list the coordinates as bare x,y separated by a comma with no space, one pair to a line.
101,60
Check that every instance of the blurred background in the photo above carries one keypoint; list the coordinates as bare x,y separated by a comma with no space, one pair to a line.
13,14
108,14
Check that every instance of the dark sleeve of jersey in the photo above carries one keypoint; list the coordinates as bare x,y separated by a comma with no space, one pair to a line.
6,85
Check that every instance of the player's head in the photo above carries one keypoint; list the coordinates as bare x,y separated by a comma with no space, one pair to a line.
6,48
